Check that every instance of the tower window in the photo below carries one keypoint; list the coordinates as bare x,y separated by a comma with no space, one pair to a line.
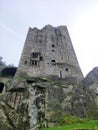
66,69
34,62
41,58
53,61
35,55
52,50
53,45
25,62
1,87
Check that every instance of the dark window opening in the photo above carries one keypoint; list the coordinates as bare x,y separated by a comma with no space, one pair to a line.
35,55
25,62
53,50
53,45
40,41
41,58
96,94
34,62
1,87
62,58
53,61
66,69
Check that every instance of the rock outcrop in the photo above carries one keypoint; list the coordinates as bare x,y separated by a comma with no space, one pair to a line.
45,100
90,83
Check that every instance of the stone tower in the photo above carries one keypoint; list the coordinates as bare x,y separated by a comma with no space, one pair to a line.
39,102
48,52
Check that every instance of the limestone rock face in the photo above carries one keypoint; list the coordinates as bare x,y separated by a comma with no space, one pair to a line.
85,95
90,83
78,99
48,100
91,78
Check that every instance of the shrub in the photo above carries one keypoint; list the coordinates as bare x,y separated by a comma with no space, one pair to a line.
73,119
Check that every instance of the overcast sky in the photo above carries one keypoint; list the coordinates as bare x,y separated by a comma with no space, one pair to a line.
80,16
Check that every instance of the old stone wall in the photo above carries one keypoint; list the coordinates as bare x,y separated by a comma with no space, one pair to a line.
49,52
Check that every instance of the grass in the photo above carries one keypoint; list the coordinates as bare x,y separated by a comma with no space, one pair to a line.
88,124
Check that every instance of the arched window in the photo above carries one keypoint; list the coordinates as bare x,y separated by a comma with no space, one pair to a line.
1,87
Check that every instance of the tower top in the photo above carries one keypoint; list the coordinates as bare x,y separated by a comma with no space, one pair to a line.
48,26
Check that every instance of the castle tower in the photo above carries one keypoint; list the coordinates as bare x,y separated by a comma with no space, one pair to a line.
49,52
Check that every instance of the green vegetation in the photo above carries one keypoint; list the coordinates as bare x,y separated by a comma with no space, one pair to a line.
75,123
16,119
4,126
86,125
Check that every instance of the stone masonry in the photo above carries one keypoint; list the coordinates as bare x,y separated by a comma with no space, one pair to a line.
49,52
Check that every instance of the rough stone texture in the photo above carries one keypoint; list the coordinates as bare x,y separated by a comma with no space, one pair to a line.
25,101
14,105
49,52
76,99
90,83
60,97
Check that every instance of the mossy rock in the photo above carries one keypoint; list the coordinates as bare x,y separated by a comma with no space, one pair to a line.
5,126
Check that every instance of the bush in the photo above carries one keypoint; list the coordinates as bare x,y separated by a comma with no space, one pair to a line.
69,120
4,126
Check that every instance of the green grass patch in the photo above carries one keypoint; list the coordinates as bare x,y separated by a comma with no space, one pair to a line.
87,124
